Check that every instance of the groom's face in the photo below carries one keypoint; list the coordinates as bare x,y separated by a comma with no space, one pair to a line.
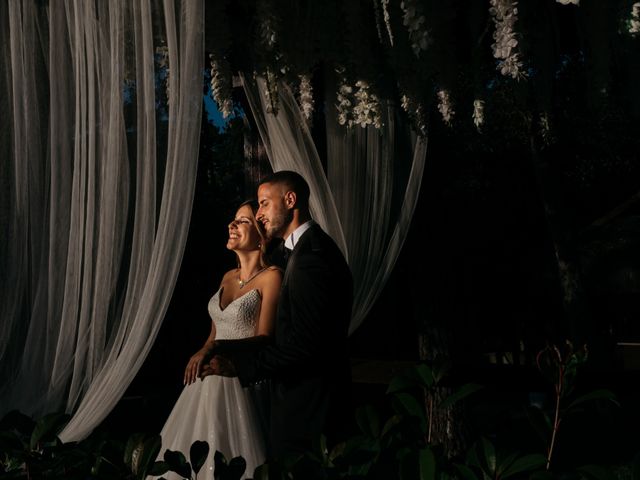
273,212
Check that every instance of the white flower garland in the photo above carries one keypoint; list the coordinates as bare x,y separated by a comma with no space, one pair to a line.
445,107
634,22
415,112
387,19
361,107
567,2
221,85
367,108
414,21
505,15
344,104
306,97
271,92
478,113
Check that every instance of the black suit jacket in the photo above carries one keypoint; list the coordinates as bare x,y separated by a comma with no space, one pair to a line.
308,362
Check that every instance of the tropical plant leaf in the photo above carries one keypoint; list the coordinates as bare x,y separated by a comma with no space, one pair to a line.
635,467
541,475
390,425
489,457
540,422
402,383
602,394
236,468
465,472
177,463
425,375
459,394
595,472
525,463
427,464
158,468
368,420
47,427
441,366
409,405
198,454
150,450
132,442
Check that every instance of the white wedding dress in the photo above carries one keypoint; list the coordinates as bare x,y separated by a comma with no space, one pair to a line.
217,409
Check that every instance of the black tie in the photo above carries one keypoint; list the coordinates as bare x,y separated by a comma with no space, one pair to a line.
286,255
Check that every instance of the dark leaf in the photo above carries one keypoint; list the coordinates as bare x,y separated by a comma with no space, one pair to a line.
158,468
489,456
525,463
132,449
595,395
458,395
409,405
427,463
465,472
368,421
198,454
150,450
236,468
595,472
177,463
47,427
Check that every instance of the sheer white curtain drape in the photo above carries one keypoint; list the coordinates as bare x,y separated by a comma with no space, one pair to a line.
101,163
367,197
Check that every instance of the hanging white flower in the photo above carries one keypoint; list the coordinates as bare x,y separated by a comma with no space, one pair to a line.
567,2
272,92
415,23
545,128
306,97
366,111
478,113
344,102
505,15
634,22
221,85
445,106
415,112
387,19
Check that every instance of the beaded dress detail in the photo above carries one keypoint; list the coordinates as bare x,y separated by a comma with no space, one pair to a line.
217,409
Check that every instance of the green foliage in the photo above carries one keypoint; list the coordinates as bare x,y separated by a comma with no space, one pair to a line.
394,447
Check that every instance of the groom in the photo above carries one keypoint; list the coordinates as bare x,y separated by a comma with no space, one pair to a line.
307,363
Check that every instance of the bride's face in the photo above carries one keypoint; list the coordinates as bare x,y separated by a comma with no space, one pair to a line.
243,234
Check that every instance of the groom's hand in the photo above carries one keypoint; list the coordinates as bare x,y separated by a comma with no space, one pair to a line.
218,365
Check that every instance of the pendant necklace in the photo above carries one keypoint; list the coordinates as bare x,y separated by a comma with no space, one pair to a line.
242,283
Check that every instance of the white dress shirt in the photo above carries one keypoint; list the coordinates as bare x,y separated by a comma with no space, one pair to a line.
291,240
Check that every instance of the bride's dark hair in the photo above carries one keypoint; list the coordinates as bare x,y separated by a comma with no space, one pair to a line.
264,257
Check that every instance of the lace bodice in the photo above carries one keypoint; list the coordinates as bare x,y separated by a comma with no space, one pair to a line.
238,319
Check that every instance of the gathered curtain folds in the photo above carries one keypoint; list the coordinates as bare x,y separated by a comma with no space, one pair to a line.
98,166
366,198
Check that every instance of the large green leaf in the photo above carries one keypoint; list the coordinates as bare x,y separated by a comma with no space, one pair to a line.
459,394
177,463
465,472
595,472
426,375
47,427
198,455
368,420
489,456
427,464
602,394
150,450
525,463
236,468
409,405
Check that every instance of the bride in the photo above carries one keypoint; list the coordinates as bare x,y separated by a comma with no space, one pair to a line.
217,409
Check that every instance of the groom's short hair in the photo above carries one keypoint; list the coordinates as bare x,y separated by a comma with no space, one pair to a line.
292,181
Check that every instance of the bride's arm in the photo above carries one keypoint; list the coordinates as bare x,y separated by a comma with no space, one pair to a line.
196,361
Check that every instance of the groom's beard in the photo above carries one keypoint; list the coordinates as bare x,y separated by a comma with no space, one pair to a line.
278,224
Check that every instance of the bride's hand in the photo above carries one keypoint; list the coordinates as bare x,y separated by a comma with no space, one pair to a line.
194,365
